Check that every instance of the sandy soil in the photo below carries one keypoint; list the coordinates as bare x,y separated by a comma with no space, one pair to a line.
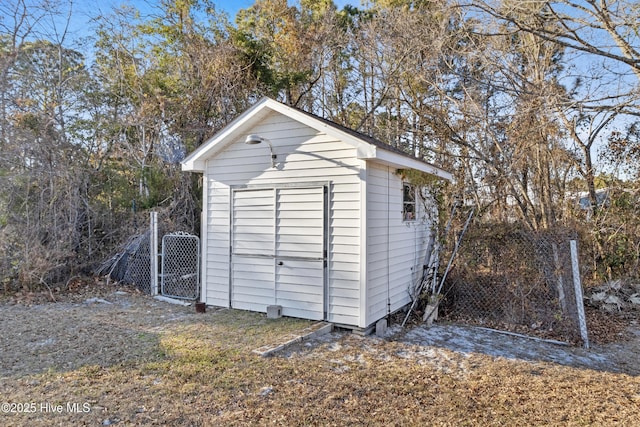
127,359
101,326
107,325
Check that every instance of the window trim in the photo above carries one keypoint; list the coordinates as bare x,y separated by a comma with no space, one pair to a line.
409,215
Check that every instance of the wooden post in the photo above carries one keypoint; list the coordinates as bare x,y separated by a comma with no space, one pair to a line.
582,321
153,250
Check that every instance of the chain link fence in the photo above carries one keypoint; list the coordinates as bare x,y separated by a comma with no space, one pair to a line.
132,264
179,263
137,263
509,278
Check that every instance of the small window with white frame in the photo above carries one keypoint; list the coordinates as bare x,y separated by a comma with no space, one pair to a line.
408,202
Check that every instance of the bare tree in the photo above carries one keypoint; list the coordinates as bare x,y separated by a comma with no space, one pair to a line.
605,29
45,208
581,25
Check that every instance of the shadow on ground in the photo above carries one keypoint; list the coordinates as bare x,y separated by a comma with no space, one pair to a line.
619,357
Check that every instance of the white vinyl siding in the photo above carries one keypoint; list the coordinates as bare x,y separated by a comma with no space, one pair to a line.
253,283
217,256
300,222
300,237
252,231
395,248
278,239
257,254
354,293
253,222
303,155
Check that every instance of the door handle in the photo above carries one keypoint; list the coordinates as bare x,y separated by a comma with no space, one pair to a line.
280,263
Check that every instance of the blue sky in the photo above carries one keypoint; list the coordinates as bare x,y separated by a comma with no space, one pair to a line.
83,11
91,7
232,6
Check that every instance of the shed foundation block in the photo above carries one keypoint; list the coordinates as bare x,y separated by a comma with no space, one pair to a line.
274,311
381,327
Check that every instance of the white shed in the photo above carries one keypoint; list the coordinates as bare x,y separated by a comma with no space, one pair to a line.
305,214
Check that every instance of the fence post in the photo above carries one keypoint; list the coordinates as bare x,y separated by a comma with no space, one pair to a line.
578,290
153,250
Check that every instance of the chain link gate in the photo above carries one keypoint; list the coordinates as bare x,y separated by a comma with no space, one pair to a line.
180,274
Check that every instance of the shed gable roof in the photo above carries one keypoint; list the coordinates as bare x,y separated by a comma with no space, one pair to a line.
368,148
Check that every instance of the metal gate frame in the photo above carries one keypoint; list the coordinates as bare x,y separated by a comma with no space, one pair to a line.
180,275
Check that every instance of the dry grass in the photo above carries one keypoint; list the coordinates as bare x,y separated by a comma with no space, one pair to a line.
199,370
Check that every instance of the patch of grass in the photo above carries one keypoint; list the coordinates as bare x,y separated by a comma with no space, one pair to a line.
208,376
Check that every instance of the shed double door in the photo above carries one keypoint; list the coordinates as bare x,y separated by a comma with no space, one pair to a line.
278,250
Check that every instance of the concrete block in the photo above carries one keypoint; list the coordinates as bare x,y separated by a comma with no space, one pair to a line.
381,327
274,311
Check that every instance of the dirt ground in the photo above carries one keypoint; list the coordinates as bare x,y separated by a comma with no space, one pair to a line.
102,325
107,327
94,328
